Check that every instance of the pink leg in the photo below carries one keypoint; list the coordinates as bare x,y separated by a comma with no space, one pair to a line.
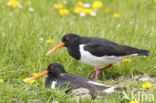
97,72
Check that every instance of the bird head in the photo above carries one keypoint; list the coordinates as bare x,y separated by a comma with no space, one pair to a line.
53,69
67,40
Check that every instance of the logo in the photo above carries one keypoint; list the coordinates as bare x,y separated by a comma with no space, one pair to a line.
139,96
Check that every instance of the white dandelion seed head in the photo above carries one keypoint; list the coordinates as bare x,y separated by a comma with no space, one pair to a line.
8,4
41,39
31,9
118,25
64,2
82,14
93,13
20,6
86,5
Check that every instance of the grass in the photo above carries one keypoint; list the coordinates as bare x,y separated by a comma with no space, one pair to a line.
19,58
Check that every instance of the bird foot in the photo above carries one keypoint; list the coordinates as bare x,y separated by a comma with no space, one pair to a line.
96,74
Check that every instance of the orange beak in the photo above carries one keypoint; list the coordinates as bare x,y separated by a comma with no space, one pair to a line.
55,48
37,76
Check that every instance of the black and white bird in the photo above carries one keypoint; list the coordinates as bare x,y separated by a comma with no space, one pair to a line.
97,52
58,77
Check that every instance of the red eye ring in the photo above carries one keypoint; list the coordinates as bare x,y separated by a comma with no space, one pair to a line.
51,67
67,38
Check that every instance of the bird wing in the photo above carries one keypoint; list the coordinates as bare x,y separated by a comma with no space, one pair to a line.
101,47
73,81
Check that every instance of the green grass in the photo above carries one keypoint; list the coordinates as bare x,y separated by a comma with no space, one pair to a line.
19,58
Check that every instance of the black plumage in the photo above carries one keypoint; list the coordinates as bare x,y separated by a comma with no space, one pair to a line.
99,47
96,51
63,79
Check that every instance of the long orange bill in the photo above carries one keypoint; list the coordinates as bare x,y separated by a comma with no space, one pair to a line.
55,48
37,76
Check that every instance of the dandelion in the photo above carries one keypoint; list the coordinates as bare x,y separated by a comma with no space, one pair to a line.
106,10
155,1
82,14
87,11
39,46
64,2
93,13
101,67
34,74
64,12
133,101
28,4
80,3
117,15
1,80
20,6
59,6
20,37
13,3
127,60
86,5
77,10
31,9
119,27
30,81
97,4
41,39
147,85
49,41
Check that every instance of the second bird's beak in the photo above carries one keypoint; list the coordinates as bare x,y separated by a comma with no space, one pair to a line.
37,76
55,48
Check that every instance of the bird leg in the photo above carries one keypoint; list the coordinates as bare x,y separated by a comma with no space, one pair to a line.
97,72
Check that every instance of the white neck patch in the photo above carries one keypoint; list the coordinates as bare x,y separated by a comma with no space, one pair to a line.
53,84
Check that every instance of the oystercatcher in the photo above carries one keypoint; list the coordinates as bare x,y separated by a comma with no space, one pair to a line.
96,51
58,77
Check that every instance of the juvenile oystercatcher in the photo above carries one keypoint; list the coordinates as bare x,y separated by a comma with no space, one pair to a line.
96,51
58,77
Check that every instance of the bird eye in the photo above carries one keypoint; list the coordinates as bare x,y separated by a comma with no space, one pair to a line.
67,38
51,67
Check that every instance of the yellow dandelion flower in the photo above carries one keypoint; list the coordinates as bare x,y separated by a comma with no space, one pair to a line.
80,3
101,67
34,74
77,10
127,60
28,4
1,80
117,15
49,41
106,10
87,11
64,12
30,81
133,101
155,1
20,37
13,3
59,6
39,46
97,4
147,85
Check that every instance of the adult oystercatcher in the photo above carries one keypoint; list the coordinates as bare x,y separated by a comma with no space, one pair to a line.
58,77
96,51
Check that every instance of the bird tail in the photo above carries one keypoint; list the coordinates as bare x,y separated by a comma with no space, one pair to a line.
105,89
142,52
109,90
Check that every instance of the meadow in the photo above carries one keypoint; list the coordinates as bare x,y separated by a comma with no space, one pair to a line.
29,28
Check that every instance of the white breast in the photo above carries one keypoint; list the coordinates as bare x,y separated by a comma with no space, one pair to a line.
89,59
